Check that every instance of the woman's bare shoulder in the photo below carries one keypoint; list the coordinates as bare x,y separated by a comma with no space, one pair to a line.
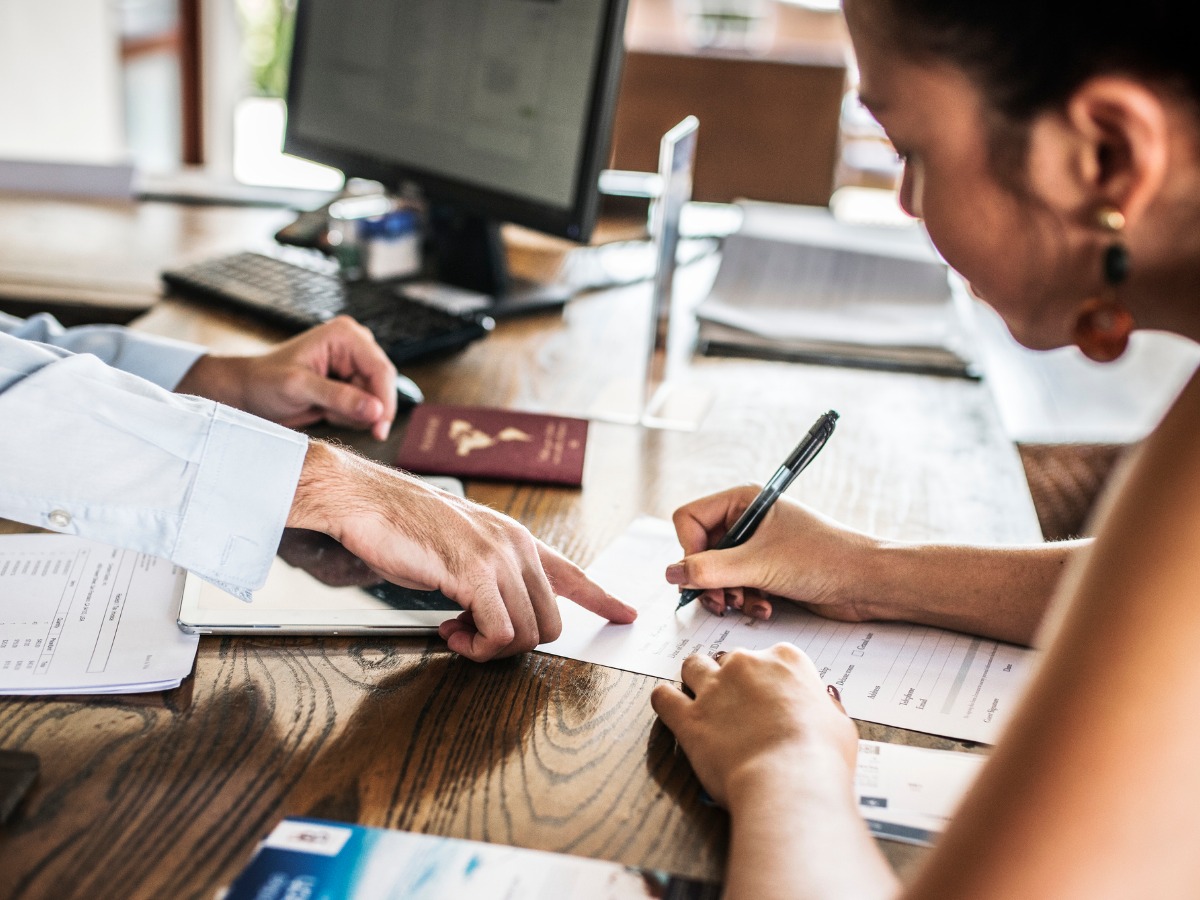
1142,565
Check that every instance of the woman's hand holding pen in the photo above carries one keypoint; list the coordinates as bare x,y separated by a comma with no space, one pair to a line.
796,554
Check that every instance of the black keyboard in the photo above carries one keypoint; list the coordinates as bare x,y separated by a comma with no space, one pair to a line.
297,296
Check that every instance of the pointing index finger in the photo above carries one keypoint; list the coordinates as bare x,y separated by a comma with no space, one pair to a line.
570,581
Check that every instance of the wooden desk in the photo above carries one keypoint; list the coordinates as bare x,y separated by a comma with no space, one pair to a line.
100,260
166,796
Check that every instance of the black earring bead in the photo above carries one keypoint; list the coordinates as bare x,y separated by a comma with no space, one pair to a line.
1116,264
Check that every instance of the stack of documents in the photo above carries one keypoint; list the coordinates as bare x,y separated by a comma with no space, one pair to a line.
79,617
797,284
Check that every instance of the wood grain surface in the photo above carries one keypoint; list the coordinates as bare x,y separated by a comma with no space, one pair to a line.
166,796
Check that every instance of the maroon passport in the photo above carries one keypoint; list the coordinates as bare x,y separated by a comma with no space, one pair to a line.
481,442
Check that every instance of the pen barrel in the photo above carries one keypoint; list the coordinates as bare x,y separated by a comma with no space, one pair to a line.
747,523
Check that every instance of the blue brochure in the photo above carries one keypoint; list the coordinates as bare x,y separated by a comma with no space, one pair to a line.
311,858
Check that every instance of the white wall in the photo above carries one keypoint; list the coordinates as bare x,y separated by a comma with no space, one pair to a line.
224,84
60,87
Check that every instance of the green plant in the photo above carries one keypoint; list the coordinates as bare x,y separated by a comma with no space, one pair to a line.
267,29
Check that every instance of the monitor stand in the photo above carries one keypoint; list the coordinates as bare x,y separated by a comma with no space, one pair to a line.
465,252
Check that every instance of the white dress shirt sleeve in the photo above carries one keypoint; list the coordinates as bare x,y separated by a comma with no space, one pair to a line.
157,359
88,450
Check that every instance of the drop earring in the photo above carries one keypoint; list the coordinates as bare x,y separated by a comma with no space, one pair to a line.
1104,324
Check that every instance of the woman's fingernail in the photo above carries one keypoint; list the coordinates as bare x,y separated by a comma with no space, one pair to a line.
712,607
676,573
833,692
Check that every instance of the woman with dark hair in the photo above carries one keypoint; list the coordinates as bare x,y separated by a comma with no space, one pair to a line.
1053,151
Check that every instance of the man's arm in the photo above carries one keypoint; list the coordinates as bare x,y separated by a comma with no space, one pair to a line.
413,534
96,452
159,360
336,372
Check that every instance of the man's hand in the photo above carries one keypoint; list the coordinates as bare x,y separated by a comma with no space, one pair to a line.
325,559
417,536
335,371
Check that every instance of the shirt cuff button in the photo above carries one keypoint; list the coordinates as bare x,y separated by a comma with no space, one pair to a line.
60,518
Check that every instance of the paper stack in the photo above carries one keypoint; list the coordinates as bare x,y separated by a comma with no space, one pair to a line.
77,617
797,284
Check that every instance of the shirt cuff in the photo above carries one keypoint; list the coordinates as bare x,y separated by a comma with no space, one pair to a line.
243,490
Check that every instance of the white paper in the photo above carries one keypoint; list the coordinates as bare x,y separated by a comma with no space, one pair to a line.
819,227
908,793
910,676
81,617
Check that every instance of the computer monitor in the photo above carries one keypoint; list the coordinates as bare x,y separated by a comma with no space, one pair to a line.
494,110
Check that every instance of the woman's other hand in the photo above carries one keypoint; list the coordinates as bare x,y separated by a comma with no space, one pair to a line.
758,718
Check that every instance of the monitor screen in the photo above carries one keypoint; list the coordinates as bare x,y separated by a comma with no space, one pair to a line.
499,107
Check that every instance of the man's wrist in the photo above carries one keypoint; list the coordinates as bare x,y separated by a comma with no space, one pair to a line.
316,490
211,377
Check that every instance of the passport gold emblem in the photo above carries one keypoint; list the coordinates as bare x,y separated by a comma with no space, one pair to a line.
467,438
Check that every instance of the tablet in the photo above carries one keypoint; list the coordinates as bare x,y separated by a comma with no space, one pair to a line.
317,587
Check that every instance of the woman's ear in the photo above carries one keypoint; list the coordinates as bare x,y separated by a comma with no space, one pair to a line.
1120,132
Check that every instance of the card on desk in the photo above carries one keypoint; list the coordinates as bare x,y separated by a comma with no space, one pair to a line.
482,442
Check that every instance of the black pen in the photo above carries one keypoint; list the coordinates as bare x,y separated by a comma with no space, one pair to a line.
741,530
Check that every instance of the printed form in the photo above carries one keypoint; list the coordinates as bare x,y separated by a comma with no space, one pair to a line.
910,676
81,617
